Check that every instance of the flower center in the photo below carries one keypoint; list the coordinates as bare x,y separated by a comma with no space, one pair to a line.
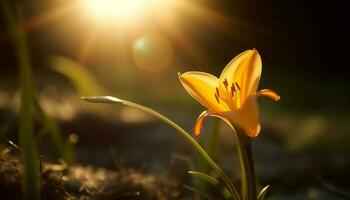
232,92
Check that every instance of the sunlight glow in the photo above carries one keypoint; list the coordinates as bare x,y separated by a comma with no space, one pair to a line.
115,8
126,21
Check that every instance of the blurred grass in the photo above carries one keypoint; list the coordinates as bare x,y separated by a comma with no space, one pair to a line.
29,104
62,149
81,78
30,182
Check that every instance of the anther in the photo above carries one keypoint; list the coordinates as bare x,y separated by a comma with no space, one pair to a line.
239,88
217,98
217,92
225,83
233,90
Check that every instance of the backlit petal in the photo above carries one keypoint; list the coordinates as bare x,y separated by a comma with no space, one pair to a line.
231,67
228,75
245,69
247,117
249,72
200,121
202,87
202,117
268,93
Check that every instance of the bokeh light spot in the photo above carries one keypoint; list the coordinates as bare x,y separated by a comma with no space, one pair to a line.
152,52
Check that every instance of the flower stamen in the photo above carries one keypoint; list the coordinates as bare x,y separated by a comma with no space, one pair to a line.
225,83
217,92
238,87
233,90
217,98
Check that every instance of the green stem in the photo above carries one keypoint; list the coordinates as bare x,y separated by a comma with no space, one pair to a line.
247,166
184,133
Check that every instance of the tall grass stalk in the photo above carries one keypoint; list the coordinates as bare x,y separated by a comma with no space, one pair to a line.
30,182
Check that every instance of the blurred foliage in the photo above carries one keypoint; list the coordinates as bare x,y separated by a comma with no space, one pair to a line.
61,149
212,181
30,182
80,77
28,105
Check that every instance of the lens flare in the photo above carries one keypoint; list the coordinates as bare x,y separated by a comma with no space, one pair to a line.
152,52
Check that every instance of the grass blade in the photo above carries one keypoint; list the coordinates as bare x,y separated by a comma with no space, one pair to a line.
30,182
205,177
62,149
263,193
79,76
213,181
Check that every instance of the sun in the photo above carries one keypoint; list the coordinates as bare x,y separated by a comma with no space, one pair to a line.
119,9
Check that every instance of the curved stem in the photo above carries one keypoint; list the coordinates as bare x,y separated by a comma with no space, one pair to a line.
247,166
192,141
184,133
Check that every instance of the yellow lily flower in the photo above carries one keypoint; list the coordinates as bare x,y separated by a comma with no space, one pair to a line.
233,96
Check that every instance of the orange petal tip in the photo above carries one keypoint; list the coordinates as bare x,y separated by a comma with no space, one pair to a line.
253,133
269,93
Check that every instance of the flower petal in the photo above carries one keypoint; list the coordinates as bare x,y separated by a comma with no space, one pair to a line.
245,69
200,121
231,67
202,87
247,117
268,93
227,76
202,117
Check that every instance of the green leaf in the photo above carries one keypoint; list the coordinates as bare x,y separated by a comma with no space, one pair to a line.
205,177
213,181
263,193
